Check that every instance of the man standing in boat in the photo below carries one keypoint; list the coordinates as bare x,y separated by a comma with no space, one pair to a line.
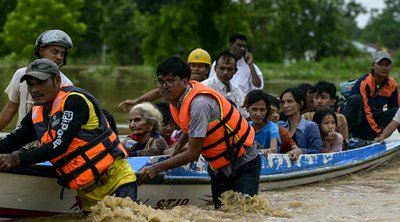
212,127
371,93
74,136
248,76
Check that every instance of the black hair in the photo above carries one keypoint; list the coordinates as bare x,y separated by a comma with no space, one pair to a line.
324,86
321,113
234,37
275,101
174,66
226,55
298,96
163,107
255,96
110,120
305,88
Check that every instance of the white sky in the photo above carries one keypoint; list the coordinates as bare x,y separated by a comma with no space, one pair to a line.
368,4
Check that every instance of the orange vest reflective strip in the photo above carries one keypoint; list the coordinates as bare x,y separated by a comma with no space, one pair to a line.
89,154
229,135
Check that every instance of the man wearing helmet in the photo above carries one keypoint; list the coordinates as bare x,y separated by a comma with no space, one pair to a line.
248,76
199,61
51,44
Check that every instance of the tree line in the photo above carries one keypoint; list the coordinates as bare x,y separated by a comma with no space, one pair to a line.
124,32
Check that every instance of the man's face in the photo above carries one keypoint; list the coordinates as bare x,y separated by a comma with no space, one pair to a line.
43,92
323,100
238,48
171,87
225,69
199,71
53,52
382,68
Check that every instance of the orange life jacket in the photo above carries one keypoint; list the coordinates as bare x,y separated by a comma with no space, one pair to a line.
90,152
227,137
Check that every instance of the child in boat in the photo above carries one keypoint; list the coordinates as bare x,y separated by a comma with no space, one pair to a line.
145,123
168,126
267,138
327,122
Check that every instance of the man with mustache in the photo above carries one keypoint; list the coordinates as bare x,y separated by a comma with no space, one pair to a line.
74,136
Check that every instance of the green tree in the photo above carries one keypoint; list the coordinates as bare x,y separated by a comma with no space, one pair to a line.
121,31
32,17
383,29
179,27
6,6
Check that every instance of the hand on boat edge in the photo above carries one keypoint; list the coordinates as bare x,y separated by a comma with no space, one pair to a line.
8,161
146,174
294,154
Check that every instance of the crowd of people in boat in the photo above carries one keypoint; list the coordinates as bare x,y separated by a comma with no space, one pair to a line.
218,109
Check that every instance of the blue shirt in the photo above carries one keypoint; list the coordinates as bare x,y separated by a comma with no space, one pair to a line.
264,136
307,136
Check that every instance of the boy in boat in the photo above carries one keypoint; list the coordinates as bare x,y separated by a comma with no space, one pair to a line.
74,136
212,127
371,93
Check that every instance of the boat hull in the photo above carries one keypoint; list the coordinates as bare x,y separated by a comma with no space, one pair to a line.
33,191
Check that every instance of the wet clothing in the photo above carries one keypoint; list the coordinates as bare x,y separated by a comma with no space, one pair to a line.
307,136
364,108
201,108
79,116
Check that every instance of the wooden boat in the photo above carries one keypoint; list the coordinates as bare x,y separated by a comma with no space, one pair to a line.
33,191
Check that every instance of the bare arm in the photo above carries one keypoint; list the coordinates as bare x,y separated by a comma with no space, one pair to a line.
150,96
255,79
192,154
7,114
389,129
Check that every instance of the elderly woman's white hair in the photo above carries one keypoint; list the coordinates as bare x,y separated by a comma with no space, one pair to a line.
151,115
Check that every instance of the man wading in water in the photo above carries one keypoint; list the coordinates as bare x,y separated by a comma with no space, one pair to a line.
212,127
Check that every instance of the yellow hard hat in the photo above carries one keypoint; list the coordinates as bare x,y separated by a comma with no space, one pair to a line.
199,56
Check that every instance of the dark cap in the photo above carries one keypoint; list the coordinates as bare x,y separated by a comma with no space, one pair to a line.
378,56
41,69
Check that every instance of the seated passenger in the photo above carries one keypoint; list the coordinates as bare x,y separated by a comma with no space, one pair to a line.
304,132
267,137
144,123
168,125
325,97
288,145
327,122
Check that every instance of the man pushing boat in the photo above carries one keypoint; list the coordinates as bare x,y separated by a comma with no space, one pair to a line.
74,136
212,127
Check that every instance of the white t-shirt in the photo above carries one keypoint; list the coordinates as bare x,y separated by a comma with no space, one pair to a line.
397,116
242,77
18,92
235,94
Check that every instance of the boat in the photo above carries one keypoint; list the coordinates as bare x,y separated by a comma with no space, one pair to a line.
33,191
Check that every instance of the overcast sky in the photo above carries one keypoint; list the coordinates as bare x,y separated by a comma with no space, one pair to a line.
368,4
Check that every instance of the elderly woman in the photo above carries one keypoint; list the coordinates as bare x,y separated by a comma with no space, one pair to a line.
145,123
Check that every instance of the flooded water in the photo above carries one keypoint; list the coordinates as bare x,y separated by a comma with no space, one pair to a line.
365,196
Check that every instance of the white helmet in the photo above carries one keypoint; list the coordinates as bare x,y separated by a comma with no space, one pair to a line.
53,37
